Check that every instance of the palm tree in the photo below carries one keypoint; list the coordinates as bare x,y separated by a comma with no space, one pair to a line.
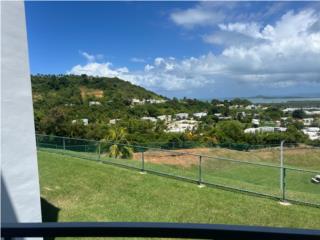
116,140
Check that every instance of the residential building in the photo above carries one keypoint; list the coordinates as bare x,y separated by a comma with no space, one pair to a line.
255,122
307,121
151,119
182,115
312,132
166,118
200,114
182,126
92,103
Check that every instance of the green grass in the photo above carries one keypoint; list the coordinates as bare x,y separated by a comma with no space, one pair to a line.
248,177
83,190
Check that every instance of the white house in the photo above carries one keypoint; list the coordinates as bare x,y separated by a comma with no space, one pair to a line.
85,121
289,110
181,115
136,101
113,121
265,129
182,126
92,103
255,122
155,101
312,112
224,118
200,114
166,118
151,119
312,132
251,107
307,121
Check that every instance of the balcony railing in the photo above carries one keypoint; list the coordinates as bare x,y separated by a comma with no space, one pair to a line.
158,230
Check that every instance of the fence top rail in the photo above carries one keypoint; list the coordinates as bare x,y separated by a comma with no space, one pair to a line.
149,229
267,146
187,153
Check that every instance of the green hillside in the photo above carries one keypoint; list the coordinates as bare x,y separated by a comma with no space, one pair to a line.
69,88
81,190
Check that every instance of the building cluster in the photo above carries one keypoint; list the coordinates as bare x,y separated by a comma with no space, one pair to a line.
308,122
180,122
136,101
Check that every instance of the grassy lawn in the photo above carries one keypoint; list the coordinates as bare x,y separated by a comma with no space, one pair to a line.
80,190
249,177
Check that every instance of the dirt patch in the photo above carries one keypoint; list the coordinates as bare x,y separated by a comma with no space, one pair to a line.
85,92
294,157
177,157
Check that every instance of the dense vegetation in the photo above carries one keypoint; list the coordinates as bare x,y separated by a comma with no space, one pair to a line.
62,101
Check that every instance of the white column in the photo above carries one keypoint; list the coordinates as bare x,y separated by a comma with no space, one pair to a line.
20,195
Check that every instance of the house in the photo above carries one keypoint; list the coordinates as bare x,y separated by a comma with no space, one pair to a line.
289,110
251,107
155,101
113,121
92,103
166,118
135,101
182,115
69,104
85,121
224,118
200,114
255,122
312,132
312,112
307,121
265,129
182,126
151,119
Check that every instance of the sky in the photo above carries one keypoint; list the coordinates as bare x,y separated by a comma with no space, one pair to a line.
199,50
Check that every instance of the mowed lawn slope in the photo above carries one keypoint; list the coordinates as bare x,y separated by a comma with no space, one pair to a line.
89,191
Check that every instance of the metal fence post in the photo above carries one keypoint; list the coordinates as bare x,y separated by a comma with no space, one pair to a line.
142,161
281,166
200,171
284,184
99,151
64,143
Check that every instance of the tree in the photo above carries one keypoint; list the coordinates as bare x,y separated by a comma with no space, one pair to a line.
229,131
298,114
116,140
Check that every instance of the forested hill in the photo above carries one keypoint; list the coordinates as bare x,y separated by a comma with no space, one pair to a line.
76,89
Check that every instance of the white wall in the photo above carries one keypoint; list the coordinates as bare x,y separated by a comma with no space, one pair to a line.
20,196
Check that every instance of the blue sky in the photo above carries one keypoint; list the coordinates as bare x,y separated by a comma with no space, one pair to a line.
193,49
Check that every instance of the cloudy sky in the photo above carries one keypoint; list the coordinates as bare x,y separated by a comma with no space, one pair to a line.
193,49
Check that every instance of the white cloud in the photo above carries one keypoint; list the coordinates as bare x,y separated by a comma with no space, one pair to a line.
91,57
201,15
98,69
280,54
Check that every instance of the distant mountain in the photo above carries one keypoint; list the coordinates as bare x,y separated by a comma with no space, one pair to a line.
303,95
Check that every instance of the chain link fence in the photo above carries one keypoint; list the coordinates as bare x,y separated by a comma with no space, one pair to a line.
256,170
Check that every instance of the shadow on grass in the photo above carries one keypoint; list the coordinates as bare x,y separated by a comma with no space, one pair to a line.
50,213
